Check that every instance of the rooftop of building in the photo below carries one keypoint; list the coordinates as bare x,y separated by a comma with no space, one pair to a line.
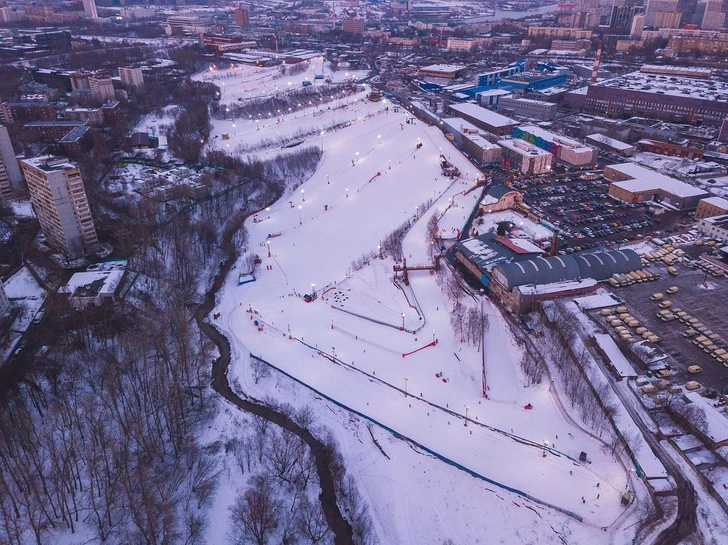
481,114
489,249
54,123
612,142
531,101
720,202
522,147
555,138
718,221
75,134
529,77
577,266
706,89
444,67
644,179
50,163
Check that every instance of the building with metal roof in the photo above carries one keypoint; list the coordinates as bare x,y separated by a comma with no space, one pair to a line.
480,254
566,268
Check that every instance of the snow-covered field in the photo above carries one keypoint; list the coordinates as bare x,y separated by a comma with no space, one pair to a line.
349,345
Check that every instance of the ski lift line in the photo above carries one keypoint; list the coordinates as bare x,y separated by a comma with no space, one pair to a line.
365,340
424,448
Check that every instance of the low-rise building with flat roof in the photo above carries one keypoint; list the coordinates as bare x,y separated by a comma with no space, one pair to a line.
712,206
565,149
715,227
526,107
632,183
527,158
483,118
612,145
447,71
468,138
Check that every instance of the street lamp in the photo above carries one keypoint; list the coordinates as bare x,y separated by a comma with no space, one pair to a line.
268,243
332,322
434,335
313,288
357,156
303,195
235,130
347,192
268,210
300,215
466,414
403,315
390,164
327,180
379,251
379,139
405,386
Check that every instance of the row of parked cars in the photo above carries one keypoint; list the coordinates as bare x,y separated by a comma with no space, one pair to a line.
627,327
646,274
709,342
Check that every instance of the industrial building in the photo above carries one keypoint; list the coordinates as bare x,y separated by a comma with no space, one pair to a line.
527,82
491,97
657,96
60,202
710,207
519,274
467,137
480,254
564,149
526,107
525,157
520,284
632,183
492,77
487,120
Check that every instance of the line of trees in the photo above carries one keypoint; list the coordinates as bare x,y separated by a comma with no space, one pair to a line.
290,101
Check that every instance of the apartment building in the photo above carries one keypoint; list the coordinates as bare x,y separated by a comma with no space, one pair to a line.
131,78
60,202
10,177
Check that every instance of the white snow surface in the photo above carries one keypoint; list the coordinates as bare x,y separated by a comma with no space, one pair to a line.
356,358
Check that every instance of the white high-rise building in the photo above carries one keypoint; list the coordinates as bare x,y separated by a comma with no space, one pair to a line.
11,179
4,301
89,9
131,77
60,202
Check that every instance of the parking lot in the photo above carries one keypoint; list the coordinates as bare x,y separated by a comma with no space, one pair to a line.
707,304
578,205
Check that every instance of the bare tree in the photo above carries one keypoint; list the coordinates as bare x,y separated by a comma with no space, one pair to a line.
255,515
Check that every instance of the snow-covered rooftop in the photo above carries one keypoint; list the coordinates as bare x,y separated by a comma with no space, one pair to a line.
644,179
488,117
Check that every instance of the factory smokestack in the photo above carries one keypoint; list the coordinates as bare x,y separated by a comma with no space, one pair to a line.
554,244
597,61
